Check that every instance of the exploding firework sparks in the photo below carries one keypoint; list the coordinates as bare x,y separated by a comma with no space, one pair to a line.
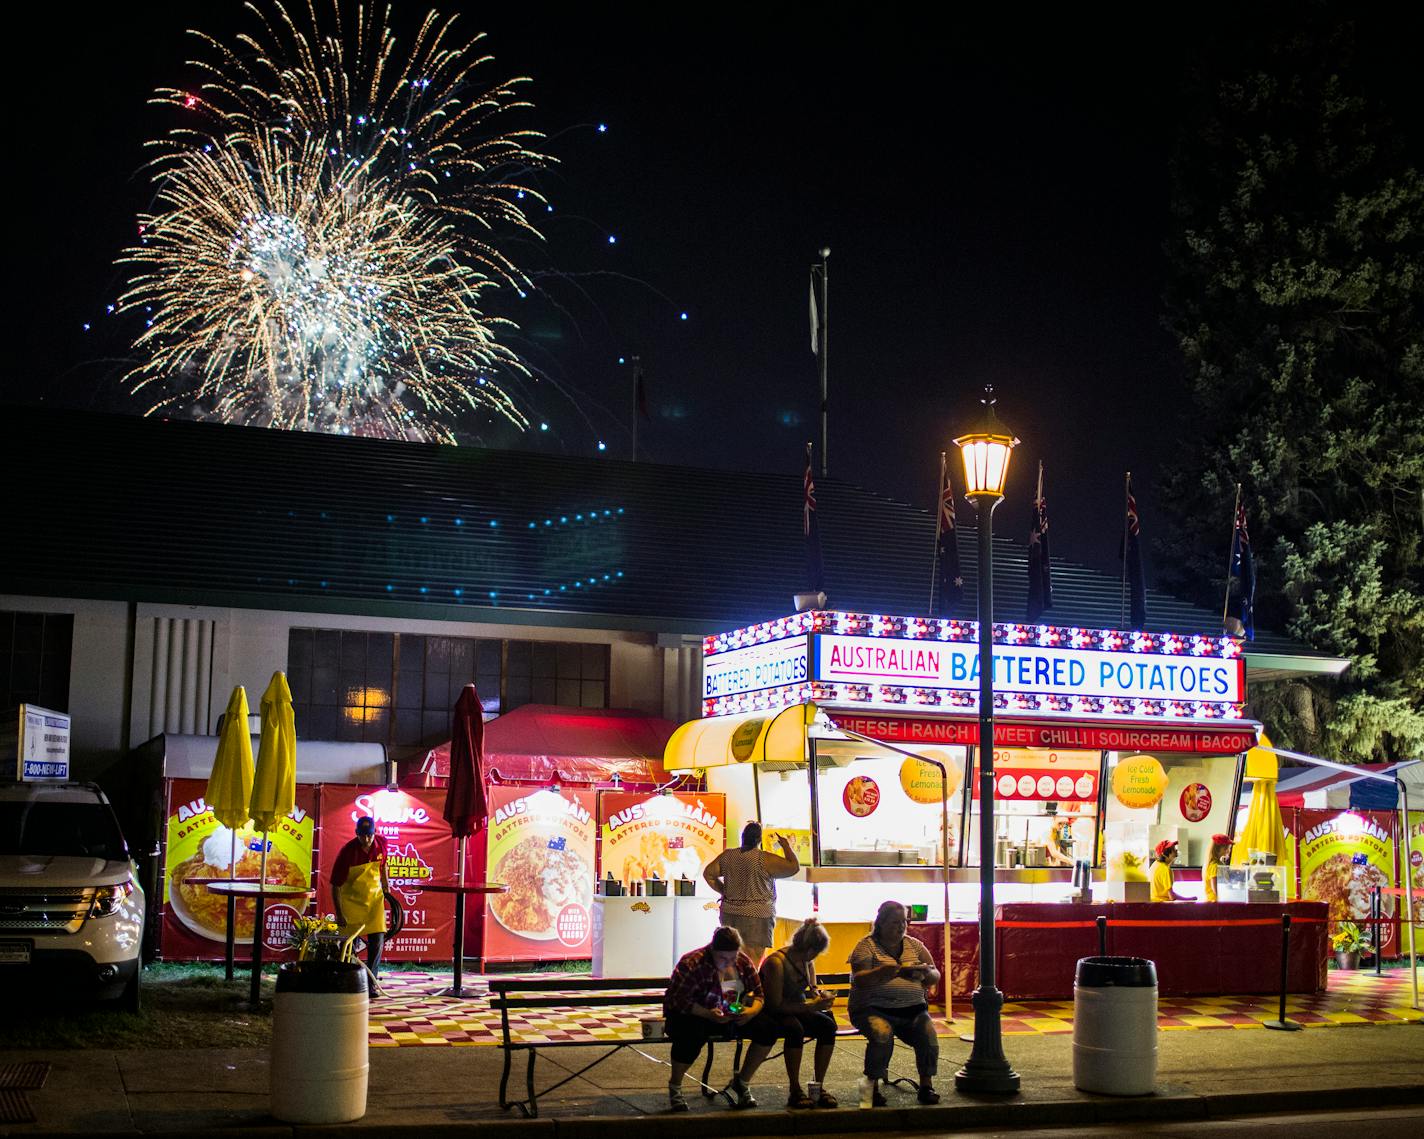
322,238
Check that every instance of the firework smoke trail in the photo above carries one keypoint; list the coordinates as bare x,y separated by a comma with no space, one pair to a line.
321,241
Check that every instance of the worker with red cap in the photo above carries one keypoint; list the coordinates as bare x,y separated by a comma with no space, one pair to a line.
1164,855
1217,855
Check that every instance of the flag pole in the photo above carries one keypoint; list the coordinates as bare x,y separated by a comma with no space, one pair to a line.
637,377
1230,553
1122,551
939,522
825,346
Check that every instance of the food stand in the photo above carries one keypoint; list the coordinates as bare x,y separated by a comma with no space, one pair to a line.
830,728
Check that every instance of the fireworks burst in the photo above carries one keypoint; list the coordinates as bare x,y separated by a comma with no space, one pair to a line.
322,238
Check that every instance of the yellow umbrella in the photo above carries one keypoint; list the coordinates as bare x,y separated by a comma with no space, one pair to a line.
1264,829
230,784
274,783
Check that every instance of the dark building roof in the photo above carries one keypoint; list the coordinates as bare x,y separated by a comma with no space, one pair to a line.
143,509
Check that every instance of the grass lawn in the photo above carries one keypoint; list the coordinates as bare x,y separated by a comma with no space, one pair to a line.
184,1006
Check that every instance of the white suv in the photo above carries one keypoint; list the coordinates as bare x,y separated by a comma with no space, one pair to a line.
71,908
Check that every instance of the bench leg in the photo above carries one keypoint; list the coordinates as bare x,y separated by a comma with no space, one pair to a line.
529,1084
707,1090
504,1080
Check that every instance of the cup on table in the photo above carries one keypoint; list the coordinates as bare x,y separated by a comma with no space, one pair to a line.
813,1090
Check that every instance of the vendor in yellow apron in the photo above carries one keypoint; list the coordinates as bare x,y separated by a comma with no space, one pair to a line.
359,885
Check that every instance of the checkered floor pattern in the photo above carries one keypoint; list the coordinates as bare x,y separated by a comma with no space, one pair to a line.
414,1011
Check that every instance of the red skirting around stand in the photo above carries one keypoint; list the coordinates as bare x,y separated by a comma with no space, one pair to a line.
1199,948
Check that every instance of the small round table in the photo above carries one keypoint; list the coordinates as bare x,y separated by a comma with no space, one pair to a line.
234,889
462,890
231,915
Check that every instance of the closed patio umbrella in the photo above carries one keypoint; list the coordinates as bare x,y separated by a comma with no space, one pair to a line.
274,781
465,808
1264,829
274,791
229,790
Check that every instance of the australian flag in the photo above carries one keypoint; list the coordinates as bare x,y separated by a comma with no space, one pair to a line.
1132,553
949,580
1241,588
815,571
1040,581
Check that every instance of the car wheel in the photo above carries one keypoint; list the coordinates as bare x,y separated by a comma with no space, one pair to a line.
131,1000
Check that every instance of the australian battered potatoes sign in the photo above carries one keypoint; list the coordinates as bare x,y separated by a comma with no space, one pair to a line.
906,662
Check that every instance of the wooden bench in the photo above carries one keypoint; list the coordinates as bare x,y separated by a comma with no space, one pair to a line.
602,992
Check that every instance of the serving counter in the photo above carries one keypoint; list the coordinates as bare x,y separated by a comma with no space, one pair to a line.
1198,947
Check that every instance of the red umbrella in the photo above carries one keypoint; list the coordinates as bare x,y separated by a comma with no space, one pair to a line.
465,807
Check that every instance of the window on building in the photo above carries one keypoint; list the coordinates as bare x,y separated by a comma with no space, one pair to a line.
399,688
34,659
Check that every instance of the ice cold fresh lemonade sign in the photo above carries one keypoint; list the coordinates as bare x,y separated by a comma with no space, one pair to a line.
1025,668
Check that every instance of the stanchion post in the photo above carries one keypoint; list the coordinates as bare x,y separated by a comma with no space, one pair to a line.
1375,918
1102,936
1281,1024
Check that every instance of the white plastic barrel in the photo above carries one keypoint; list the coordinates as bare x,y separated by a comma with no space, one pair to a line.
1115,1026
320,1056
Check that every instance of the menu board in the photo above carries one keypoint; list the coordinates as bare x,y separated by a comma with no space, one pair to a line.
1044,775
541,845
198,848
419,849
665,836
1343,856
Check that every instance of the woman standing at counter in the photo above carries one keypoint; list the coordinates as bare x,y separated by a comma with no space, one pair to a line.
1218,855
745,879
1162,891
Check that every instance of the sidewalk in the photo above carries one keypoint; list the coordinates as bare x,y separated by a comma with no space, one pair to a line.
453,1090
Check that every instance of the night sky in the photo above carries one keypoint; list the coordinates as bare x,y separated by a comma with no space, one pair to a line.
994,194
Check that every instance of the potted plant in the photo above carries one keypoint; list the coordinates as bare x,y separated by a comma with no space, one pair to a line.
1349,941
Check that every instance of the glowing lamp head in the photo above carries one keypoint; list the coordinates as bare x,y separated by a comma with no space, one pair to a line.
986,454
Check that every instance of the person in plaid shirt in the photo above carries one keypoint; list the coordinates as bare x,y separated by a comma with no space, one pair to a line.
697,1006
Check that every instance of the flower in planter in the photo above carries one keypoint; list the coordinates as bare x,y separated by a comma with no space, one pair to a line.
317,938
1350,938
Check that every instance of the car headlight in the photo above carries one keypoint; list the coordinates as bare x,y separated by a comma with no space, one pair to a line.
108,899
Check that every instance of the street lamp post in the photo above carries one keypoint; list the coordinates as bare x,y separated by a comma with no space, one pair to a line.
986,467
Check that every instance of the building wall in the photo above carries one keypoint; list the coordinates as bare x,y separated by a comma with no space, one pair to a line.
139,669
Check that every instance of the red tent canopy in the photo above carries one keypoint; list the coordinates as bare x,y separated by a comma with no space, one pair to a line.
538,743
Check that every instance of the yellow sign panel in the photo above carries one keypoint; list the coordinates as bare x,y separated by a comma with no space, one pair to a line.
1139,781
921,781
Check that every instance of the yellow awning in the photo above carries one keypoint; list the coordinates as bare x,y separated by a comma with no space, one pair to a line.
777,736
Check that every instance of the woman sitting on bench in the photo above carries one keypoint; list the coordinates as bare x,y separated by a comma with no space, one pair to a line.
711,989
795,1009
891,975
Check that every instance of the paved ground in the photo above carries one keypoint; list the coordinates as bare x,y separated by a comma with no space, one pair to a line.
1202,1075
415,1012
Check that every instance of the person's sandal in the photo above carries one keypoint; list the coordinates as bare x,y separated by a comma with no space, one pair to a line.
827,1100
799,1101
927,1095
676,1100
742,1094
877,1098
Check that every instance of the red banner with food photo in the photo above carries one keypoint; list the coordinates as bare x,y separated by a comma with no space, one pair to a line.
541,844
199,849
664,836
1344,855
419,849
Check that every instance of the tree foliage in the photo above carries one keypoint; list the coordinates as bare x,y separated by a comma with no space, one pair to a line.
1296,275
